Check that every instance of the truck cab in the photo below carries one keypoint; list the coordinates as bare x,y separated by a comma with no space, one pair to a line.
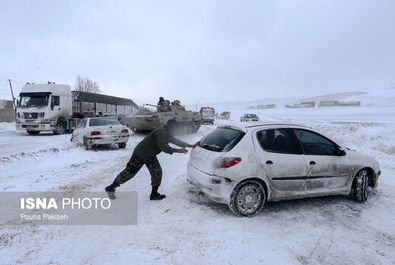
208,114
44,107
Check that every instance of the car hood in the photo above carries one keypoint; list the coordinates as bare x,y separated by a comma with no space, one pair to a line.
359,160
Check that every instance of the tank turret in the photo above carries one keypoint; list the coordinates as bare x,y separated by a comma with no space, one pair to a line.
174,112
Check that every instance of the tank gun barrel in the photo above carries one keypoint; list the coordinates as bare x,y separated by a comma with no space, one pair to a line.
152,105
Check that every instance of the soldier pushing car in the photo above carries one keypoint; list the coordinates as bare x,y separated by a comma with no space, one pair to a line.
145,154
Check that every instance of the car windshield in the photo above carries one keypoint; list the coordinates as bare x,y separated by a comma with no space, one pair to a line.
221,139
251,116
33,100
102,122
208,111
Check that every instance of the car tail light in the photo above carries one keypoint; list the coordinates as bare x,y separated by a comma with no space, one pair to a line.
125,131
95,133
226,162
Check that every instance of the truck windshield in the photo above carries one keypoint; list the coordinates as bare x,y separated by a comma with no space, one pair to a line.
101,122
208,112
221,139
33,100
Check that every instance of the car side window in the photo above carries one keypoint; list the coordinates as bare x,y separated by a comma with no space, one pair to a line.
315,144
81,124
277,141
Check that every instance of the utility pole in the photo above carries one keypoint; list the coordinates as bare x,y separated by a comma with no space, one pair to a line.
198,102
12,94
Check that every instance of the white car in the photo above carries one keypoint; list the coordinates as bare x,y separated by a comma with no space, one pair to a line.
246,166
98,131
249,117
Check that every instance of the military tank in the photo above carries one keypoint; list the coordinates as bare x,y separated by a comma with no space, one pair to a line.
174,113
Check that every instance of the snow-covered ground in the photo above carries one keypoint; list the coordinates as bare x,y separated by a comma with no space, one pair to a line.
186,227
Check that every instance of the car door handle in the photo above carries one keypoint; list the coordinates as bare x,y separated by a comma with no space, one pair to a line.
269,162
312,163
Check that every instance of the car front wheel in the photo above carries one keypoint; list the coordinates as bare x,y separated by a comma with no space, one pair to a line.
360,186
248,198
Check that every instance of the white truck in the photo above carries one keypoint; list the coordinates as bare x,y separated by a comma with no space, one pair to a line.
208,114
53,107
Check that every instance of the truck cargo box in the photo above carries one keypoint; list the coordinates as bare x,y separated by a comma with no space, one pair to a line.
91,104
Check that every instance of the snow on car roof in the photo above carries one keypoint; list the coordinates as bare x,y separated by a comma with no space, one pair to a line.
243,126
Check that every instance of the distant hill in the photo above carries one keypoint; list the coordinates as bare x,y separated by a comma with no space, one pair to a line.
281,102
333,96
378,97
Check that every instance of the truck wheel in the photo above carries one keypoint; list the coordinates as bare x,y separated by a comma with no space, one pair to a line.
33,132
195,126
248,198
360,186
60,128
122,145
87,146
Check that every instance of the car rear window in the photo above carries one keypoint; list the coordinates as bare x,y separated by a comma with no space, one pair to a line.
221,139
101,122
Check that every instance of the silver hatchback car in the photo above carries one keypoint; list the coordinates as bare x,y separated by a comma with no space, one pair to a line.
245,167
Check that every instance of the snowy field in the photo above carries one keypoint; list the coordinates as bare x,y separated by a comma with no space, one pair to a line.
186,227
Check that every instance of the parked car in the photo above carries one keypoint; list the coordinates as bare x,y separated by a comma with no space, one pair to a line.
224,115
245,167
208,115
98,131
249,117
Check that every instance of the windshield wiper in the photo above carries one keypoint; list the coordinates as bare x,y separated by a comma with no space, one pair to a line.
212,147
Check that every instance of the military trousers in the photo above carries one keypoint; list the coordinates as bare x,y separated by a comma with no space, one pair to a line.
135,164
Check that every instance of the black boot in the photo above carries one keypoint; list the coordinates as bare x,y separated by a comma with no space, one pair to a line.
111,190
155,195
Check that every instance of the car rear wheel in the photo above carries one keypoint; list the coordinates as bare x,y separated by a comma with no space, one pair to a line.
360,186
122,145
248,198
86,144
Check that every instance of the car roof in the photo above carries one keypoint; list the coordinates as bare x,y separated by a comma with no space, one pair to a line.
242,126
101,118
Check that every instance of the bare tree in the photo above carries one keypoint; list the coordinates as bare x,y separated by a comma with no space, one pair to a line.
86,85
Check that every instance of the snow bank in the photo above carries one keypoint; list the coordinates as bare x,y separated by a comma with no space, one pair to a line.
186,227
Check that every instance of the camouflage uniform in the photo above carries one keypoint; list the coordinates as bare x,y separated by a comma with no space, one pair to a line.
145,154
135,164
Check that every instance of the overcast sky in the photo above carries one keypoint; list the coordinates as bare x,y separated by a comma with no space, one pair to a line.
201,50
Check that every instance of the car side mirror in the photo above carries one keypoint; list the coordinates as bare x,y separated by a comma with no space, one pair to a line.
52,104
341,152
